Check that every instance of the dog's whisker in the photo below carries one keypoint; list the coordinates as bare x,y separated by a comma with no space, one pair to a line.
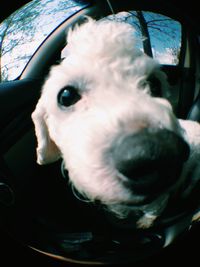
63,170
79,196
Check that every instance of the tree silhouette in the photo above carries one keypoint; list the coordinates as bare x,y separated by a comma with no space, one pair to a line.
145,33
27,26
155,26
158,26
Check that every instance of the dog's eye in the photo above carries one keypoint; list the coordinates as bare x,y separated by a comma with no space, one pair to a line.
155,86
68,96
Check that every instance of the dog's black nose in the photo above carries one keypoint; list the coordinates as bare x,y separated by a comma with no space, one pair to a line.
152,161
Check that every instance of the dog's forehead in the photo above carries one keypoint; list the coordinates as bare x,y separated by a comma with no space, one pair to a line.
102,38
105,50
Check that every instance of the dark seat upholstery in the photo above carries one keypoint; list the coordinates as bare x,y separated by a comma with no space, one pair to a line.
194,113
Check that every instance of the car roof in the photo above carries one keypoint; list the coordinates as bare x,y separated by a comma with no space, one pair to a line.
6,9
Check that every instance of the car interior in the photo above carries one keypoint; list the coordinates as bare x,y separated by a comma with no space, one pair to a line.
39,207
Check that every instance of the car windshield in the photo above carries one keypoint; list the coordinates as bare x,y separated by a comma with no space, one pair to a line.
157,35
24,31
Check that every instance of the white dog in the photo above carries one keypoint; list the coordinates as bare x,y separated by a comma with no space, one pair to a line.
104,110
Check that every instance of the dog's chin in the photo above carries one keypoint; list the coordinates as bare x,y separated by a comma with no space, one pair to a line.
142,215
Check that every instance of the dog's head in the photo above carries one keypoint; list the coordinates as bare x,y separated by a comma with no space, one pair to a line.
104,111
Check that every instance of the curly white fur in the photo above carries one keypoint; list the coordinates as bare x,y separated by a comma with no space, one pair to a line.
110,73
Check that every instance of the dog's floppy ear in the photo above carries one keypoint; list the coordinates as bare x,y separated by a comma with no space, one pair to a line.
47,150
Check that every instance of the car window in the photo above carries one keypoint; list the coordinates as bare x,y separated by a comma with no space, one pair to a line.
24,31
159,36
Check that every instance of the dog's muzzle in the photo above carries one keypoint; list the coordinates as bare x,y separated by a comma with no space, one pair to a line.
150,161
